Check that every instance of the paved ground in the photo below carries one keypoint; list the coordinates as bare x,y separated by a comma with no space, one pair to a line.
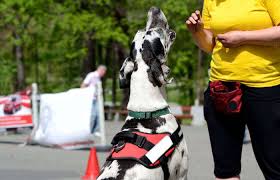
39,163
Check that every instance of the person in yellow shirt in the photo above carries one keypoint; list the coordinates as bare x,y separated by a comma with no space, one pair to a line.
243,37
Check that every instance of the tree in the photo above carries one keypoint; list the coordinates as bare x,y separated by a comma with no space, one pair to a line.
55,43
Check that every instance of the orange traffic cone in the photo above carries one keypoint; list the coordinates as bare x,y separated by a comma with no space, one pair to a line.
92,171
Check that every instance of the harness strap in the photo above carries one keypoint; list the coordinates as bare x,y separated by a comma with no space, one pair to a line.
177,136
163,163
153,150
164,166
133,138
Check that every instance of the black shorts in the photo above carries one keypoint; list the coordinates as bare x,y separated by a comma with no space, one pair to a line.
261,113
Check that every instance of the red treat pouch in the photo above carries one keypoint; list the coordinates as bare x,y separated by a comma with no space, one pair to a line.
226,96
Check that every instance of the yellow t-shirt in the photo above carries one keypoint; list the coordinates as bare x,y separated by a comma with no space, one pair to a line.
252,65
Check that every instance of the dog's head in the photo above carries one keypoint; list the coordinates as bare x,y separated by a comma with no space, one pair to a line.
158,33
152,46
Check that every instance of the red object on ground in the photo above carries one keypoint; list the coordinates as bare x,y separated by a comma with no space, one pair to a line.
92,171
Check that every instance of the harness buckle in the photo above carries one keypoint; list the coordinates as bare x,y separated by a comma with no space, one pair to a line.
118,147
140,141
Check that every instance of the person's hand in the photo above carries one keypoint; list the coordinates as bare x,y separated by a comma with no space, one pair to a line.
231,39
194,22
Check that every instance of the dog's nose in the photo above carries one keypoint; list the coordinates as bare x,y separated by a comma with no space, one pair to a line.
155,10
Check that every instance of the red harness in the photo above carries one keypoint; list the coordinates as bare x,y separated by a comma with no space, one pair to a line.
151,150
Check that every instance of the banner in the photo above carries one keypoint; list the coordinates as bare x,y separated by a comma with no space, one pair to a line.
15,111
65,119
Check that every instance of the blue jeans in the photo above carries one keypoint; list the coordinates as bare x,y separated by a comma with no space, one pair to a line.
94,118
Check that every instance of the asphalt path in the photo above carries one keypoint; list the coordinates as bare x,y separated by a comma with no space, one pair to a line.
19,162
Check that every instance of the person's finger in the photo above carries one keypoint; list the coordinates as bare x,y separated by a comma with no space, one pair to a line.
188,22
199,22
197,12
192,20
190,25
194,16
226,45
224,41
221,37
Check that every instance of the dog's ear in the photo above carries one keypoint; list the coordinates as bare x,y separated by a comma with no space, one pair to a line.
147,52
152,54
158,49
155,74
133,51
126,70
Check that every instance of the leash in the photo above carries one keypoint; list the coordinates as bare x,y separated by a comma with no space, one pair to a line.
149,115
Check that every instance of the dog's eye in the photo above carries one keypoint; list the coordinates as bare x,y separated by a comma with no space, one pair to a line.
160,33
149,32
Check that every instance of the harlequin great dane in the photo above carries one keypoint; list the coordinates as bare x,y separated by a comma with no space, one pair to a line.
150,145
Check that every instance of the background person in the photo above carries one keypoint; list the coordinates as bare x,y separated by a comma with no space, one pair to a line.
244,39
91,80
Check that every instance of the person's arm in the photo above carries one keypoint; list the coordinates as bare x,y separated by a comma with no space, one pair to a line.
203,37
86,81
264,37
83,85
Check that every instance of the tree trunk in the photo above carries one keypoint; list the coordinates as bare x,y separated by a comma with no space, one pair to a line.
120,14
107,59
18,52
99,57
199,72
36,58
119,54
89,63
114,74
199,86
125,92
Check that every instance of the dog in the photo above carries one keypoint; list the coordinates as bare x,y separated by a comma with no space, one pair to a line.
150,145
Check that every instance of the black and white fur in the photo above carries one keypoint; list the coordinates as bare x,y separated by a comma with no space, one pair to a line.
145,73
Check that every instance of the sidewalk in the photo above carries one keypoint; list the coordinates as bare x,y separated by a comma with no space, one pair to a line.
39,163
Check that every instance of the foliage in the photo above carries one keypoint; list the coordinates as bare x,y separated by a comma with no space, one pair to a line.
54,36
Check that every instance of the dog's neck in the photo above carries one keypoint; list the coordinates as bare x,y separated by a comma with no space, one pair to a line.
144,96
